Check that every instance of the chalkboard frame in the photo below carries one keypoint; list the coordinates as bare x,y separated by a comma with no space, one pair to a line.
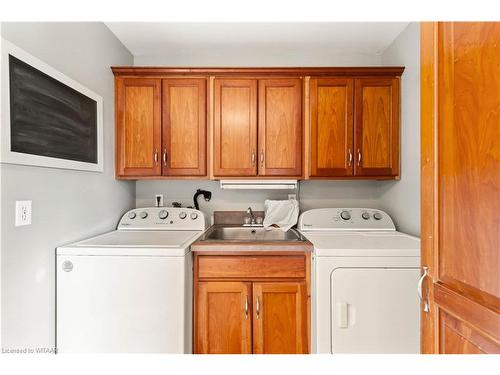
11,157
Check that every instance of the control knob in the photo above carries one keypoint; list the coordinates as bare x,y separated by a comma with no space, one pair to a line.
144,214
163,214
193,216
377,216
365,215
182,215
345,215
132,215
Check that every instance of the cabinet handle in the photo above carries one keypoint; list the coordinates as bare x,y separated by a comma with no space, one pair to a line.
359,157
253,158
350,157
246,307
165,156
257,308
156,157
262,157
419,288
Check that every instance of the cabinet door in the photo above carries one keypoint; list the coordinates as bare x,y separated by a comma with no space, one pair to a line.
377,127
331,102
280,318
235,127
280,127
138,127
184,127
223,318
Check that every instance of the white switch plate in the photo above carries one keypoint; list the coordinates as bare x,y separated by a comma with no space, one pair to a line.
23,213
161,200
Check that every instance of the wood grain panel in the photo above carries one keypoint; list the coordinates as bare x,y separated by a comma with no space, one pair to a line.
469,154
280,318
377,127
280,127
219,267
223,326
235,127
460,186
184,127
459,338
331,103
138,127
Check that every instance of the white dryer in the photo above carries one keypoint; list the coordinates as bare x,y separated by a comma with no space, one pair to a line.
364,282
129,290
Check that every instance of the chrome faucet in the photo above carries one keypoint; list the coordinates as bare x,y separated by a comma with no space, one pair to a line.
252,216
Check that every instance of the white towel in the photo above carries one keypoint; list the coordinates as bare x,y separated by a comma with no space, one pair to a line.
282,213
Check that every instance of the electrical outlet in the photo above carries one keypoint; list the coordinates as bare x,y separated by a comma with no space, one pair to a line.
23,213
159,200
292,196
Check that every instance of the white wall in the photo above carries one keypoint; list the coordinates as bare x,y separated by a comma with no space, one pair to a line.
67,205
401,199
313,194
259,56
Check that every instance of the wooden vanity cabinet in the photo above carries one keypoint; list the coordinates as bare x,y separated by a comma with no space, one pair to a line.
251,304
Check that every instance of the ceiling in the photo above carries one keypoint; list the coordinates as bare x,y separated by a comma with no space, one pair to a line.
160,39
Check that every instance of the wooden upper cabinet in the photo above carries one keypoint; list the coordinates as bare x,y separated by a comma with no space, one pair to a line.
280,127
138,127
184,127
280,318
376,140
223,318
331,110
235,127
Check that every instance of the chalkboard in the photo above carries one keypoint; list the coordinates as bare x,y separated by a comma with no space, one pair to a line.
49,118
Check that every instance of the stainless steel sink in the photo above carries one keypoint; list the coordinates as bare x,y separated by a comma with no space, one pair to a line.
221,233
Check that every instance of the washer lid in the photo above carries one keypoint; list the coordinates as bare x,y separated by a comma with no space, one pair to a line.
384,243
146,243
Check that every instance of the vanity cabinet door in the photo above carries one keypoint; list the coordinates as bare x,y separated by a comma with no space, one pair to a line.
376,139
223,318
331,106
138,127
280,127
280,318
235,127
184,127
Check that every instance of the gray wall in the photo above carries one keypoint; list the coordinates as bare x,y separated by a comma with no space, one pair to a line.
401,199
67,205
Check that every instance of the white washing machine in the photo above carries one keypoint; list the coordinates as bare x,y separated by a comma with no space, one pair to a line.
365,277
129,290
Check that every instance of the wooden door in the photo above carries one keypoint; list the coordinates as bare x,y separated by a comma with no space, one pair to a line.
223,318
280,318
184,127
460,88
138,127
331,105
235,127
376,139
280,127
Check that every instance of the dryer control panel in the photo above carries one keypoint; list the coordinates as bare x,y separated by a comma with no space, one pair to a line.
355,219
162,218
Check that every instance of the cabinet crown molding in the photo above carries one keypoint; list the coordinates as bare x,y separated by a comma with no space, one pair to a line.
155,71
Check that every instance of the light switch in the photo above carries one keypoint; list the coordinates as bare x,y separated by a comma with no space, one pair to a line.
23,213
